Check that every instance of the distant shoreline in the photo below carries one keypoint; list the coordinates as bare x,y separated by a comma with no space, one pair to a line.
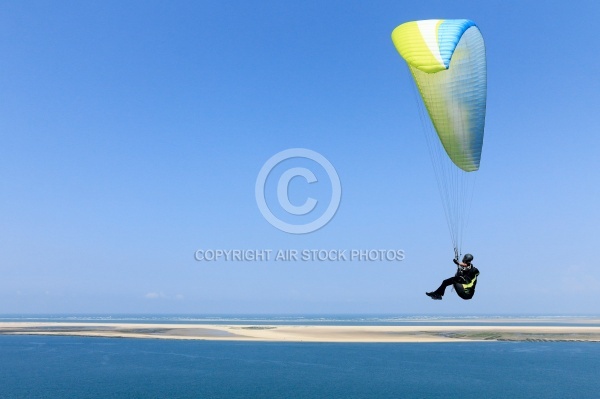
310,320
308,333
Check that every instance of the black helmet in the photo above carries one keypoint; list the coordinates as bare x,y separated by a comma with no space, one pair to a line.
468,258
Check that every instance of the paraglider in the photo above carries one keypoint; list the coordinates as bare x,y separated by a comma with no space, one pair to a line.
447,61
464,281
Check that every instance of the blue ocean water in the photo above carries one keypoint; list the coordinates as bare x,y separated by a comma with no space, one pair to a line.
333,320
79,367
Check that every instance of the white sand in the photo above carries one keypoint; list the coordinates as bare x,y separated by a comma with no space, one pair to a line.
287,333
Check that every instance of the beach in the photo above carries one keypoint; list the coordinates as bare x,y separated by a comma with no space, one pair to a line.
310,333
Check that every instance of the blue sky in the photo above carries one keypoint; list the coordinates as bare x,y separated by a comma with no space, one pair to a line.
132,135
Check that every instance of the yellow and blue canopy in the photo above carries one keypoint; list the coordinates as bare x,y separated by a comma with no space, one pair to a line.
447,61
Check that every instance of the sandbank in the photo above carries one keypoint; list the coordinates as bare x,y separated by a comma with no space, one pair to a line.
308,333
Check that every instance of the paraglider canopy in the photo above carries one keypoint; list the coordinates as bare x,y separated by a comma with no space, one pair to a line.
447,61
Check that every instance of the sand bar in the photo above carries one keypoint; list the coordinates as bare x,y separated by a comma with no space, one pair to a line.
307,333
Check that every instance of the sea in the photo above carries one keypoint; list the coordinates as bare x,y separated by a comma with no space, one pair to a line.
85,367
